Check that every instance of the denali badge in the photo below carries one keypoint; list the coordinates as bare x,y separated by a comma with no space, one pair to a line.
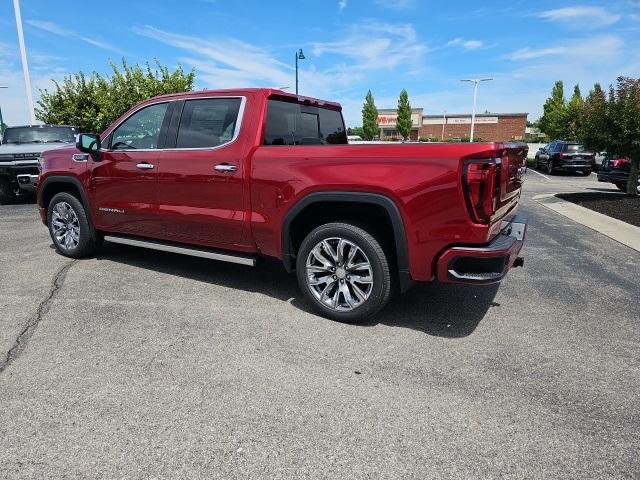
111,210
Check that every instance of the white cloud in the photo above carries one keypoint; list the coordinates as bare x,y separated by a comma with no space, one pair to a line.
342,4
375,46
597,16
228,62
63,32
603,46
367,48
466,44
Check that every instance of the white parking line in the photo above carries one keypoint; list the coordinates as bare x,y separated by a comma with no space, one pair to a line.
532,170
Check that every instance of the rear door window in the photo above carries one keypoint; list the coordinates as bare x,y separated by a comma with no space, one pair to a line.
207,123
290,123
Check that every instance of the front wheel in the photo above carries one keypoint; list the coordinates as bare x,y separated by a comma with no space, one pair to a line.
621,186
344,272
69,227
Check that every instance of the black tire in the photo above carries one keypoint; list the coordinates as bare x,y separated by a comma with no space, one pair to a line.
7,195
86,245
550,168
621,186
537,164
586,173
372,252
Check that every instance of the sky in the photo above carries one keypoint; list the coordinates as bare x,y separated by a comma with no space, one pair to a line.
425,46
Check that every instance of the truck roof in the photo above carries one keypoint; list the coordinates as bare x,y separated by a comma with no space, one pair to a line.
267,92
48,125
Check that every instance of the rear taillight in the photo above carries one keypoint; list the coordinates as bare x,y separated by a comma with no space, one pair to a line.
480,185
618,162
561,155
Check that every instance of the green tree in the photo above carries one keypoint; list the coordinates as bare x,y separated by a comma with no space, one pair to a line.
552,120
611,123
403,120
359,131
93,102
369,117
570,124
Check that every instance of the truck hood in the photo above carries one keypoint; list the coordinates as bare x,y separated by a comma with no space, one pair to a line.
17,148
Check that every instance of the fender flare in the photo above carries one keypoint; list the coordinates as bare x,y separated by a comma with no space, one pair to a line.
402,255
76,183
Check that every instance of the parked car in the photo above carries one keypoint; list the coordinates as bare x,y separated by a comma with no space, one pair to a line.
561,155
615,169
237,175
20,152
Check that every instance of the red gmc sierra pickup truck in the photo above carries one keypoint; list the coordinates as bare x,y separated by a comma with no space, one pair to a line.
236,175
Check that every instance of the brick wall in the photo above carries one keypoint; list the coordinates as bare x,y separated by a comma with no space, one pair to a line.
507,128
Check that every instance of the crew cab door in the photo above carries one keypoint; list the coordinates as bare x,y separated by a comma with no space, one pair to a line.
201,173
124,183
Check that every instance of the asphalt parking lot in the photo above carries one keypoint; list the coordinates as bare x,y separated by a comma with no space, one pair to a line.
143,364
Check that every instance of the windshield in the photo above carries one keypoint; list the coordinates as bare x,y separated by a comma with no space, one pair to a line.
39,135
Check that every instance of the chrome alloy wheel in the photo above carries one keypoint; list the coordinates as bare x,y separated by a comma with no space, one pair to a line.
66,228
339,274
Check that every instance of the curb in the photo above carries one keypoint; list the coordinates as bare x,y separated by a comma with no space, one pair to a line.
615,229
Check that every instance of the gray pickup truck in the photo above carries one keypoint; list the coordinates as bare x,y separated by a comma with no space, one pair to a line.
20,152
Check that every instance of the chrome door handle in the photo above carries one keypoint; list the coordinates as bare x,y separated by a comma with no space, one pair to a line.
225,167
145,166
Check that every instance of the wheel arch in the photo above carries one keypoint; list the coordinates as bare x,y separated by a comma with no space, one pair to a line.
57,184
354,198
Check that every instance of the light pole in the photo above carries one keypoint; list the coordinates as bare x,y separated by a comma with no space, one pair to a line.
1,119
444,122
25,66
475,82
299,56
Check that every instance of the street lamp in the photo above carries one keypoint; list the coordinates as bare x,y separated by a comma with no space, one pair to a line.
299,56
475,82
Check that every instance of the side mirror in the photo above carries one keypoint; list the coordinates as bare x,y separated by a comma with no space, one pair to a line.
89,143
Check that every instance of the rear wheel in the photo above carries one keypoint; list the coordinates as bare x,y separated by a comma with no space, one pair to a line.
69,227
621,186
7,195
537,164
550,167
586,173
343,272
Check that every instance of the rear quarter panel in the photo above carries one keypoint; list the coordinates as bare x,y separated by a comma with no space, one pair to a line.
424,181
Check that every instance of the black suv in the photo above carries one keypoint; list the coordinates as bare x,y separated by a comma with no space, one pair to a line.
568,156
615,169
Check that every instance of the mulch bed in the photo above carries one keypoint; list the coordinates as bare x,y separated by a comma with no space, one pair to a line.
622,207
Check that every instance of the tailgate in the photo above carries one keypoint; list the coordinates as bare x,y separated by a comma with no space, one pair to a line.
513,165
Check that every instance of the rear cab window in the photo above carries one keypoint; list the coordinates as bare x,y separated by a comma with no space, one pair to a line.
573,147
208,123
291,123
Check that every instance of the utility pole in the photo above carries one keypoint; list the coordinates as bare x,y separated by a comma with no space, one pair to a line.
475,82
25,66
444,122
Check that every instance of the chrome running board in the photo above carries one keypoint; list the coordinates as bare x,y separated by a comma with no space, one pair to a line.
184,250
